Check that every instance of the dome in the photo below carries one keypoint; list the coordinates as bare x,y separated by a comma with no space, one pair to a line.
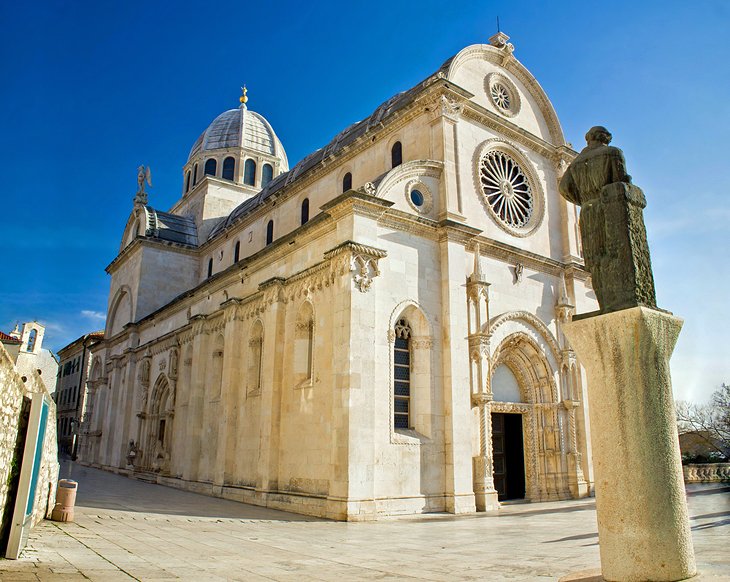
240,128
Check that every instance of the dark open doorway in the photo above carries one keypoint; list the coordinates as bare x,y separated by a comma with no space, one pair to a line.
508,455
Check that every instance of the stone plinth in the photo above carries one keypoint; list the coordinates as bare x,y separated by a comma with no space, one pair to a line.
643,527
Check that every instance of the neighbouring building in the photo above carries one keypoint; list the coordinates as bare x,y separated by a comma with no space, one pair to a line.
25,347
70,395
375,331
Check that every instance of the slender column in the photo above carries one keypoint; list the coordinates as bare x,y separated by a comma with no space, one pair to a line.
271,370
564,311
196,394
643,526
459,488
477,290
230,392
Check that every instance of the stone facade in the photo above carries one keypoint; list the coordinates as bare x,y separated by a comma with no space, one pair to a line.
29,357
70,395
14,389
339,340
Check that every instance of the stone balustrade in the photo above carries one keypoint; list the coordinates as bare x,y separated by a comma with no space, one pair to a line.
707,473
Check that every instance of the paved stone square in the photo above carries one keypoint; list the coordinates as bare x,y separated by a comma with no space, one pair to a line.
131,530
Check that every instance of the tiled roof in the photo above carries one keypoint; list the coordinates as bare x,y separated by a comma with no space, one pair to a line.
342,139
8,339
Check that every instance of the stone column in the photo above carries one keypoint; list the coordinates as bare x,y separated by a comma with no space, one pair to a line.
231,382
643,526
459,486
477,290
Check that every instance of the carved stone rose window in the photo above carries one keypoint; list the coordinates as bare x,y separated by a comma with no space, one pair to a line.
506,189
503,94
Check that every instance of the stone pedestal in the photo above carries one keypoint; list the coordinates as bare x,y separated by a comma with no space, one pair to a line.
643,527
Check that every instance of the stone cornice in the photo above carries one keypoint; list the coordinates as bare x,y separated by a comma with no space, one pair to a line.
511,131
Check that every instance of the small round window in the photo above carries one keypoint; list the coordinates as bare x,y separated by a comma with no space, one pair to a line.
419,196
506,189
500,96
503,94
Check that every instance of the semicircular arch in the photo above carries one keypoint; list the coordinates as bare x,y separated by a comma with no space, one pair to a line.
497,56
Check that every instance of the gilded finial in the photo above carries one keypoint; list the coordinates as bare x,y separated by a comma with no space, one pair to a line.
243,98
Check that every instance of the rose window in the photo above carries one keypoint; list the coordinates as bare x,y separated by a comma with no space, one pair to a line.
500,96
506,189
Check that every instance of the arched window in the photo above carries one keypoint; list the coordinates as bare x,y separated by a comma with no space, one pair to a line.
237,251
210,268
210,167
347,182
229,167
402,375
255,358
249,172
267,173
270,232
32,336
396,154
305,211
195,174
187,182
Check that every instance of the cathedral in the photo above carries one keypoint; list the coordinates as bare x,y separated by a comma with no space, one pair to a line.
375,331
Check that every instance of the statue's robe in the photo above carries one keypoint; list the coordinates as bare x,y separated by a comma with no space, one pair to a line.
612,227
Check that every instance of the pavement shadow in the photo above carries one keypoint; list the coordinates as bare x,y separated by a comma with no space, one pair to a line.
101,490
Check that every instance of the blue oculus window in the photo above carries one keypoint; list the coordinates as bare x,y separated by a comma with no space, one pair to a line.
417,197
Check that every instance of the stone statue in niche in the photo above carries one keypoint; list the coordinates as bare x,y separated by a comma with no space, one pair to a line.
611,224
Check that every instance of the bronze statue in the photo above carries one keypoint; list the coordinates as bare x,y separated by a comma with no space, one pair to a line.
611,224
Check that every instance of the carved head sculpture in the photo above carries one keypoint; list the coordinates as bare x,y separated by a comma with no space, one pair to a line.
598,134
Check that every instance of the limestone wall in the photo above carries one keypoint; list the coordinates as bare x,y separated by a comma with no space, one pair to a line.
12,390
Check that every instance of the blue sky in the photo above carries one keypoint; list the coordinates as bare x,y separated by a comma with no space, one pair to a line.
91,90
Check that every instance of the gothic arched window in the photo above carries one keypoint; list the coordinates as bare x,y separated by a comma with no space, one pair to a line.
347,182
402,375
210,268
195,174
305,211
237,251
229,167
270,232
210,167
249,172
187,182
396,154
267,173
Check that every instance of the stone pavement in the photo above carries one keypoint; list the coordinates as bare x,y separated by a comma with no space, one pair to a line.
130,530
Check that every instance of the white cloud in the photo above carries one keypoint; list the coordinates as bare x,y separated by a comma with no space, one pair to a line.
93,314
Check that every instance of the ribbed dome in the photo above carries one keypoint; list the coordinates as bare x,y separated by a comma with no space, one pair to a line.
240,128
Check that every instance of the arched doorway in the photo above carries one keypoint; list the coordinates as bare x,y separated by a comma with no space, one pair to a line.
158,428
526,418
